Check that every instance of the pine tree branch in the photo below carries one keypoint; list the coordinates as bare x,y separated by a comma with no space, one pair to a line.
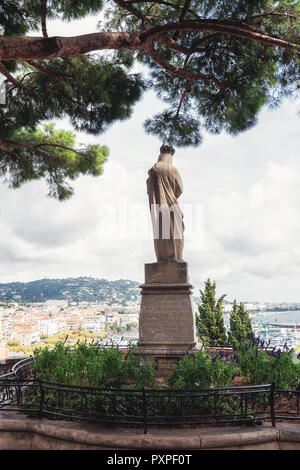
19,144
186,90
47,73
9,76
40,48
14,143
169,42
34,48
62,147
227,27
179,72
182,16
272,13
43,17
168,4
131,9
39,68
5,148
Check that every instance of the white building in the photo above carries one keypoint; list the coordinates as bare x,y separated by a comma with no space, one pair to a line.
48,326
94,324
126,318
28,336
5,327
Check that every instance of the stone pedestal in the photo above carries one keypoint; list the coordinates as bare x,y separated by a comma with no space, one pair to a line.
166,323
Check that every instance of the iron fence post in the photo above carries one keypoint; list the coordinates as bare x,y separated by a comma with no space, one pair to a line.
19,392
215,405
246,406
33,369
272,404
145,410
41,398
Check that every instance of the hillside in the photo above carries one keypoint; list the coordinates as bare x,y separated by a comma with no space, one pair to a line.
79,289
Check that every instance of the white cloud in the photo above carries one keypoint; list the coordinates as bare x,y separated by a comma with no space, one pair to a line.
253,235
264,217
248,187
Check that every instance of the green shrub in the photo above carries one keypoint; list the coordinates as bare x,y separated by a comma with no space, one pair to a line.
138,370
202,371
261,367
90,366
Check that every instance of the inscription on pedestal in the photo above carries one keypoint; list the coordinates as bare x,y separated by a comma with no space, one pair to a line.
166,323
166,318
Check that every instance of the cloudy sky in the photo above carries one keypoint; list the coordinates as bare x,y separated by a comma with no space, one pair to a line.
241,203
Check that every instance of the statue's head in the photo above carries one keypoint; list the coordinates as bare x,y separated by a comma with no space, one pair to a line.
167,149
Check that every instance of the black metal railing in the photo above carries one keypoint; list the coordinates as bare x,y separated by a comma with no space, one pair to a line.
287,404
244,405
13,383
21,370
143,407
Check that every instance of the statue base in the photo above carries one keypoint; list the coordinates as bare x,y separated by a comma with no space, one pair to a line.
166,323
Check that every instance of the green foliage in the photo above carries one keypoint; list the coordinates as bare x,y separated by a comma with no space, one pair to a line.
211,80
79,289
92,91
209,320
13,343
259,367
179,130
247,74
87,365
50,154
65,9
240,324
16,19
202,371
136,369
251,361
109,368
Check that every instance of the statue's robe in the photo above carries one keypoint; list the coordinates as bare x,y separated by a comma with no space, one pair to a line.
164,186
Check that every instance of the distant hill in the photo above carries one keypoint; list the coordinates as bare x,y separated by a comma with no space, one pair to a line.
78,289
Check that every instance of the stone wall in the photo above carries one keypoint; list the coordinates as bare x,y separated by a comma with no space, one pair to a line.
213,350
22,433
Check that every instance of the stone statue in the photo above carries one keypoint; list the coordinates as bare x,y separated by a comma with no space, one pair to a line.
164,186
166,320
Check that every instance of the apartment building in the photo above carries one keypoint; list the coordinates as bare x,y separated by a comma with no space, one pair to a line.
27,336
48,326
126,318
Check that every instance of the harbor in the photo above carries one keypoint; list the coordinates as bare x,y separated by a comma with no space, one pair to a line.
281,329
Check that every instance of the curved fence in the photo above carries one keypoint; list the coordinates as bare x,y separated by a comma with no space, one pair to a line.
158,407
20,390
21,370
13,383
